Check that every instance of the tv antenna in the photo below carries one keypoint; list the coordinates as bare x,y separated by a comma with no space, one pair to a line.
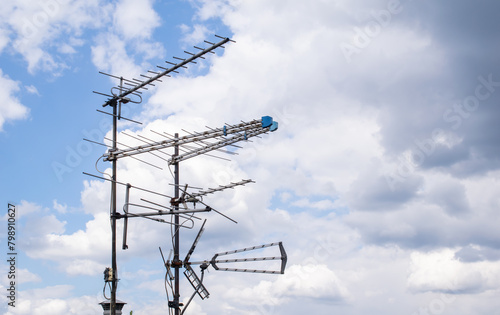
176,207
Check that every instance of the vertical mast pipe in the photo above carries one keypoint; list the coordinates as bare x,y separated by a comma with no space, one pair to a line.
114,282
177,230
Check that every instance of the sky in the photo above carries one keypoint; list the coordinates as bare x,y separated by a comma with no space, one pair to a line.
382,180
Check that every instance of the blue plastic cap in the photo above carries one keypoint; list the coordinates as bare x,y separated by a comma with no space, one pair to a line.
274,126
267,121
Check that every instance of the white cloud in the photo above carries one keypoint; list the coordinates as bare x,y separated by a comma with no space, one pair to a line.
86,267
26,276
67,49
25,208
440,271
133,19
35,24
194,35
124,46
59,207
340,126
110,55
314,281
4,39
42,225
54,300
32,89
81,252
11,108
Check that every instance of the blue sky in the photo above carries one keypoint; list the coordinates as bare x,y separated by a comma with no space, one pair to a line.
382,180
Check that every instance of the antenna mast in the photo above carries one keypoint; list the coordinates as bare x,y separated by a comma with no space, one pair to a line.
211,140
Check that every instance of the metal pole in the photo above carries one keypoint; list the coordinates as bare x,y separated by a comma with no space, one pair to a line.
177,263
114,282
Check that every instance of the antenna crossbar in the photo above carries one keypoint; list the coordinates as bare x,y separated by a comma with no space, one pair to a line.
249,129
250,270
216,145
165,72
221,261
163,212
246,249
220,188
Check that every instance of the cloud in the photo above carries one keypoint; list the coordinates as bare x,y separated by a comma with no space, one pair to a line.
4,39
11,108
194,35
23,276
375,135
26,208
440,271
315,282
54,300
88,267
43,225
58,207
32,89
77,253
120,49
376,190
35,24
475,253
134,19
110,55
450,195
45,238
27,276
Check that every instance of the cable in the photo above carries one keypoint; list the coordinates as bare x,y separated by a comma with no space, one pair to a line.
104,290
166,291
103,173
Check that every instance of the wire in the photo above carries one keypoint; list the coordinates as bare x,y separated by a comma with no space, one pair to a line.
171,217
171,173
104,290
166,291
103,173
178,227
111,178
